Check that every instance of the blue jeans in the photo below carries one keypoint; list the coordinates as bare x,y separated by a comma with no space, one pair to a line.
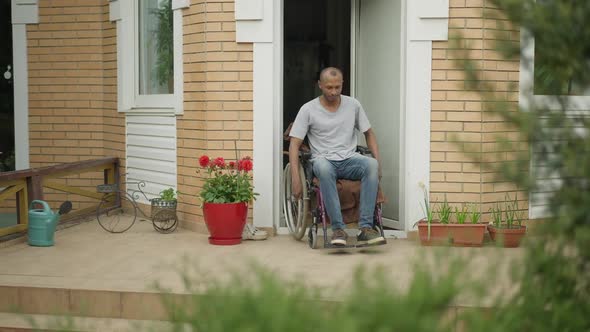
358,167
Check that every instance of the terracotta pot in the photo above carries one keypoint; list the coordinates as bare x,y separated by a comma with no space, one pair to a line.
439,234
509,237
225,222
460,235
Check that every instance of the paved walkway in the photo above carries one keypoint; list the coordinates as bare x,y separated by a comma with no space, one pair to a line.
87,257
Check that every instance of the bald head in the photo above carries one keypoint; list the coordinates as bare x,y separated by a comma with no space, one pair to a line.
331,84
330,73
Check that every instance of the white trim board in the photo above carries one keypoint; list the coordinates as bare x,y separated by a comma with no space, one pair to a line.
22,13
21,96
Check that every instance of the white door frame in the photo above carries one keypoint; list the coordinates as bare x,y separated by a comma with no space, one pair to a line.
424,21
23,13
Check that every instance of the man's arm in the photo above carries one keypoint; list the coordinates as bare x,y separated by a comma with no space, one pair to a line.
371,139
296,185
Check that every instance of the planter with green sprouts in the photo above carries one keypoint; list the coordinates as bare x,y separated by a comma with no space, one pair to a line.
465,230
506,226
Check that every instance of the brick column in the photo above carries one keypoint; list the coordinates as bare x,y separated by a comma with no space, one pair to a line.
458,118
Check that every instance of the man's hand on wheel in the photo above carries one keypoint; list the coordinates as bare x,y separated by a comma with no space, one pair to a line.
296,189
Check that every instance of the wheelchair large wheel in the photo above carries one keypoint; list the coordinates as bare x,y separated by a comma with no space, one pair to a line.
296,212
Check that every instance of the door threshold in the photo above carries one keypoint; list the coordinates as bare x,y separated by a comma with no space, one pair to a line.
395,234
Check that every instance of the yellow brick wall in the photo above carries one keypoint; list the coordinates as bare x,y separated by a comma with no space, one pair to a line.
459,115
72,89
217,117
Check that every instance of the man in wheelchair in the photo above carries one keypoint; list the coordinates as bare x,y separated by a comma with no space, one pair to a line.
330,123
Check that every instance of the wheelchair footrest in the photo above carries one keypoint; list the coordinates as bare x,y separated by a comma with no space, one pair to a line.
352,246
367,245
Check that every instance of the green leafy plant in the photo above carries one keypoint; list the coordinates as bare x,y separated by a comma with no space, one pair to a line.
426,208
227,182
251,299
513,216
444,211
168,195
428,212
461,214
496,212
474,214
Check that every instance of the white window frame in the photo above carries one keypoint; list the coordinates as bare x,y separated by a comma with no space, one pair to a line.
125,13
577,105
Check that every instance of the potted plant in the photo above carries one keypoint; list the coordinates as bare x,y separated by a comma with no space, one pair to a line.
506,226
226,193
464,233
167,200
430,230
442,231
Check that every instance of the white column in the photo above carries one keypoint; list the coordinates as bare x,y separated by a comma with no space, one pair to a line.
21,95
22,13
417,128
263,139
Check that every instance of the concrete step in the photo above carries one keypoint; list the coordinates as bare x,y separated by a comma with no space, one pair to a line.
60,309
85,303
10,322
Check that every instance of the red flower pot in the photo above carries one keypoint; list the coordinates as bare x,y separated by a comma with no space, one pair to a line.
225,222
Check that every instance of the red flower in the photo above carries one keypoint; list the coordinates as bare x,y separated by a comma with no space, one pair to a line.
232,164
204,161
245,164
219,162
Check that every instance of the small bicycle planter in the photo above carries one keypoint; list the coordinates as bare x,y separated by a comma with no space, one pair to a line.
117,210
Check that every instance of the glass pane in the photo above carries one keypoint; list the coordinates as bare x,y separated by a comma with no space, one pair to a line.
156,70
553,75
7,147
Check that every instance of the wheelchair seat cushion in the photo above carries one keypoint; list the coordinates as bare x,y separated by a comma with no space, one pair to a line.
349,193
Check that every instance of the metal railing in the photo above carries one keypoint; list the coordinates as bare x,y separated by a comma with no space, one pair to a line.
28,185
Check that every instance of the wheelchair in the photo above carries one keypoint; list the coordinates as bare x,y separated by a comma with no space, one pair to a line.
309,213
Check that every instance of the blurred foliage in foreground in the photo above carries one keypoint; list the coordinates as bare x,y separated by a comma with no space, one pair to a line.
554,279
554,290
261,301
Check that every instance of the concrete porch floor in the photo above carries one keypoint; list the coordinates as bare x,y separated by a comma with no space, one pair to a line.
88,260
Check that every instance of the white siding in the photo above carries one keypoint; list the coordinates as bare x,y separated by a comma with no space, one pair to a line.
151,151
547,181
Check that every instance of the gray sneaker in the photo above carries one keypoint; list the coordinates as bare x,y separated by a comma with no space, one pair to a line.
339,237
369,236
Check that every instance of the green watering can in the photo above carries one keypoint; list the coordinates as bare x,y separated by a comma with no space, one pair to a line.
42,222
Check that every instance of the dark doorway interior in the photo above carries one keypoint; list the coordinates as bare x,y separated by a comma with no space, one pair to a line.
316,35
6,90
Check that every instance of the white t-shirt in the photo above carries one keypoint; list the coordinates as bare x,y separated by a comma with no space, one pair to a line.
332,135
